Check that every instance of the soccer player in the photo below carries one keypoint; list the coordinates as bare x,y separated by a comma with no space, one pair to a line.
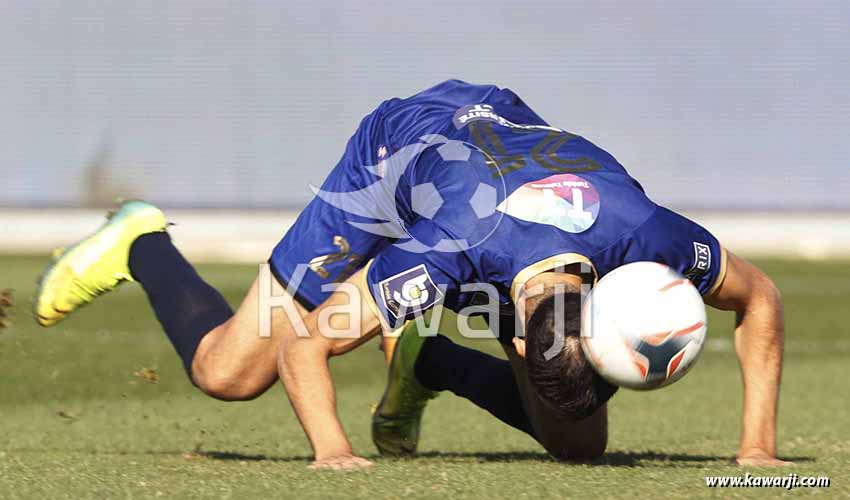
457,185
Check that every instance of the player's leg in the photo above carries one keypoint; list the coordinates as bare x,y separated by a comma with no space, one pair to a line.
397,418
233,361
223,352
133,245
502,388
420,367
485,380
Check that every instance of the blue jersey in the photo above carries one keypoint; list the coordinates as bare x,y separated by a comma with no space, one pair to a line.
464,184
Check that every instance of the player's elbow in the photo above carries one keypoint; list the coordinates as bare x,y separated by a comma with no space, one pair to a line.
766,294
773,291
298,353
763,314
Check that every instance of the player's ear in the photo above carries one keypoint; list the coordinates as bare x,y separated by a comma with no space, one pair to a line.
519,345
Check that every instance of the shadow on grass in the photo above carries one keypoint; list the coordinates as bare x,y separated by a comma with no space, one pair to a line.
614,458
645,458
243,457
655,459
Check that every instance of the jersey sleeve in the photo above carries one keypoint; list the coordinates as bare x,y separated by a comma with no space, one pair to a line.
366,147
682,244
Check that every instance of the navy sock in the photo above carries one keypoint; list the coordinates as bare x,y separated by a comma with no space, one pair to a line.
485,380
186,306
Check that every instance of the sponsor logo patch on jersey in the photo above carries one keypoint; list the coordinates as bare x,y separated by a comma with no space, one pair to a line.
702,260
565,201
409,291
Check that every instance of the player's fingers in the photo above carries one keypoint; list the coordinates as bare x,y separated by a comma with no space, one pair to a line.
341,463
356,463
762,462
327,464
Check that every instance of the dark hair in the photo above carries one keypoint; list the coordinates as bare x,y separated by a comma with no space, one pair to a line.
566,381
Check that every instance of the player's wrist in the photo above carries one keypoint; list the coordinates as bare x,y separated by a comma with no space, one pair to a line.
333,453
756,452
334,448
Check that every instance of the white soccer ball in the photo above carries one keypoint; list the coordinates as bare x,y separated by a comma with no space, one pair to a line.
643,326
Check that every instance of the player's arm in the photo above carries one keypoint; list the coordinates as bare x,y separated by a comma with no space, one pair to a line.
303,368
759,342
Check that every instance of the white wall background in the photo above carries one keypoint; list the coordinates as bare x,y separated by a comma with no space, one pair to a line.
210,103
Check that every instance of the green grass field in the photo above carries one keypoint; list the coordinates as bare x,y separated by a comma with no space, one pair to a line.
77,422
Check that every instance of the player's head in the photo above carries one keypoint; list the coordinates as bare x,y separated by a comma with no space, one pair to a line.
557,367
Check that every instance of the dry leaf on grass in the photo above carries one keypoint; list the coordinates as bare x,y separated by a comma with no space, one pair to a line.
7,300
7,297
148,375
65,414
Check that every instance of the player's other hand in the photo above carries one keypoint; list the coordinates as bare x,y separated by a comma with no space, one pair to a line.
758,458
341,462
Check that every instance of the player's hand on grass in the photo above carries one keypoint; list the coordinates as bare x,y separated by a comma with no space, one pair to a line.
341,462
760,458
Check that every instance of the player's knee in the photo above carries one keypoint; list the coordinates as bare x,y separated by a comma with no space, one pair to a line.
223,383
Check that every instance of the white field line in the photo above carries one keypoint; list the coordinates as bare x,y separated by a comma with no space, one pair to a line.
250,236
713,345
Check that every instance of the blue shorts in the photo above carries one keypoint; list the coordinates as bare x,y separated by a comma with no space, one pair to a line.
322,248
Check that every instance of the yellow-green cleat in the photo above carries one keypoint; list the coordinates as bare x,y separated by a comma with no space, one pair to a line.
397,418
94,265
